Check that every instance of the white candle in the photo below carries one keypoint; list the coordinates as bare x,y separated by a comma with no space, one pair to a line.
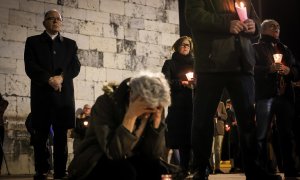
189,76
242,11
277,57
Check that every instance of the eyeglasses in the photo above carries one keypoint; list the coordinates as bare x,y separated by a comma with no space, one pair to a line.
274,26
53,19
185,45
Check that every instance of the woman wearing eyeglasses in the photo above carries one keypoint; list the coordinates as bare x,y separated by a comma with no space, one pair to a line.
179,116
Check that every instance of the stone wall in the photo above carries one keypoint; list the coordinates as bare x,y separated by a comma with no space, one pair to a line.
116,38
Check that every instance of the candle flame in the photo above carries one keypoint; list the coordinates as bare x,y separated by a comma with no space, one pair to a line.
189,76
242,5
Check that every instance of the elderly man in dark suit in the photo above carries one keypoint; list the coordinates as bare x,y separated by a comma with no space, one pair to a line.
51,63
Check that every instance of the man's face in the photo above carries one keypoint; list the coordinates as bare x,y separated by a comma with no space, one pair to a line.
272,29
87,110
53,22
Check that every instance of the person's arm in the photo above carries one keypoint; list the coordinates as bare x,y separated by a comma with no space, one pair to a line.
200,16
33,70
175,83
73,68
114,139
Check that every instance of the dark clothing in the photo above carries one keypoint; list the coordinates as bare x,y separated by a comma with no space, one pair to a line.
80,127
179,118
80,130
216,49
266,82
272,99
223,60
45,58
106,137
3,106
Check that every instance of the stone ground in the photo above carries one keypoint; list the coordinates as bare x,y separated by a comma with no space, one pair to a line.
225,166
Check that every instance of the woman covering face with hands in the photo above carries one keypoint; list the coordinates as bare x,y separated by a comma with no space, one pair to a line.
126,134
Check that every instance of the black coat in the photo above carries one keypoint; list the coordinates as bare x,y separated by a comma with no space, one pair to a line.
45,58
179,116
266,83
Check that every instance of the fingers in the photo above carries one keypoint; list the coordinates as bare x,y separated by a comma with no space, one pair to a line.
236,26
56,82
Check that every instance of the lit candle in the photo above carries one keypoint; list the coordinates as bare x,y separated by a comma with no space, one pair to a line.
242,11
277,58
189,76
85,123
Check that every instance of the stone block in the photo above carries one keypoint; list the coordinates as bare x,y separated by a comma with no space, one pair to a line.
8,65
113,30
145,49
32,6
71,25
136,23
4,15
85,90
92,58
112,6
126,47
89,4
2,83
172,5
115,61
11,49
156,3
149,37
119,20
75,13
18,85
14,33
114,75
90,28
21,18
11,4
139,11
168,39
81,75
23,108
100,17
103,44
131,34
96,74
172,17
20,68
83,42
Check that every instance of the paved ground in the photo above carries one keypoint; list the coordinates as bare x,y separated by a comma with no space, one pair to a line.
211,177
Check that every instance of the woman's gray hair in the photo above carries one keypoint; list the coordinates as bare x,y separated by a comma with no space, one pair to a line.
152,87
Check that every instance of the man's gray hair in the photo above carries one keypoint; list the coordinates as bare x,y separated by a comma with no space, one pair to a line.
152,87
264,24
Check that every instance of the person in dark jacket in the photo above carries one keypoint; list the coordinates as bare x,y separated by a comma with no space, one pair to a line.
219,131
224,58
275,94
82,123
3,106
51,63
179,118
126,137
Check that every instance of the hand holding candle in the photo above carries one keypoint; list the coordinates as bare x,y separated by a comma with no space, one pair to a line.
190,77
277,58
242,11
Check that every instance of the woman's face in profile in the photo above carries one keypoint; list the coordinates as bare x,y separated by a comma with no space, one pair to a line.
184,47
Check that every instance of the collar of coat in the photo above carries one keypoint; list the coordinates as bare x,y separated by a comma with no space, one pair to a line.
46,37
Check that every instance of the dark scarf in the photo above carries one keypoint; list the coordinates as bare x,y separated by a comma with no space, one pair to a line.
182,58
269,39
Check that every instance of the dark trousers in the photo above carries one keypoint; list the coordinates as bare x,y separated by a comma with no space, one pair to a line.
1,141
207,96
134,168
41,151
284,113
